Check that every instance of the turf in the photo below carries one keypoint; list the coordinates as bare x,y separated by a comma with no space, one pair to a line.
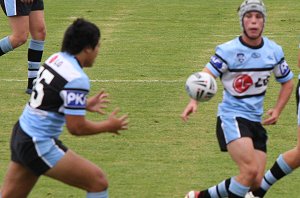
148,49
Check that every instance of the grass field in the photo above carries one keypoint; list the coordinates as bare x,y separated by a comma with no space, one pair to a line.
148,50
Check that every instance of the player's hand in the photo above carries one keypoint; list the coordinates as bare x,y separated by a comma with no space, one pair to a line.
272,118
190,108
97,102
27,1
117,123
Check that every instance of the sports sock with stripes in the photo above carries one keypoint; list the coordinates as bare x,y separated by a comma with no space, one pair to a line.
236,189
5,46
278,170
220,190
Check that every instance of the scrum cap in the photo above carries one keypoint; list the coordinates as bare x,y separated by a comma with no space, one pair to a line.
251,5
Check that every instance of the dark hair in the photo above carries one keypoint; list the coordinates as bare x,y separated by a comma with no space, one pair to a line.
79,35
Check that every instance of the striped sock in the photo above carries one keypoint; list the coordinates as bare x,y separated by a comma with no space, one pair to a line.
278,170
35,53
5,46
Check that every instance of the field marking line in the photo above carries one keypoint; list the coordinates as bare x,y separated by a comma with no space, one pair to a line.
111,81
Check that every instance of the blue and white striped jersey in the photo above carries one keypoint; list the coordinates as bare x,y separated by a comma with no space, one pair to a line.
245,72
60,88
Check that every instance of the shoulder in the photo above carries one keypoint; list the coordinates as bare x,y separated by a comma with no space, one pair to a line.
66,66
228,49
271,45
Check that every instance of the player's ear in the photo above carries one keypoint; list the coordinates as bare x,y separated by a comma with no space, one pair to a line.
88,50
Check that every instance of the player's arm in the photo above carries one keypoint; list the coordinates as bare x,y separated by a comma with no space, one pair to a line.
205,69
79,125
284,95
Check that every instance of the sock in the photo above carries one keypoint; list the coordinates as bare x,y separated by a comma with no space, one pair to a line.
103,194
220,190
278,170
5,46
204,194
237,190
35,52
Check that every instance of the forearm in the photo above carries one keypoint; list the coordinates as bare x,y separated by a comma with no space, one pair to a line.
89,127
79,125
284,95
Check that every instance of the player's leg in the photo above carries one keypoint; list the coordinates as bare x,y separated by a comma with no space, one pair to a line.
284,165
20,30
83,174
18,19
37,28
235,187
18,181
229,133
244,154
261,158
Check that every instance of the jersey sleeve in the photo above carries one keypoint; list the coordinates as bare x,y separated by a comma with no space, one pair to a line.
217,65
74,96
281,70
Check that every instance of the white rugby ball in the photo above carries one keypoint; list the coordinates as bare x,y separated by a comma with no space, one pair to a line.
201,86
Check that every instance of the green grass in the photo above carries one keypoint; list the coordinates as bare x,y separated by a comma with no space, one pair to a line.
159,156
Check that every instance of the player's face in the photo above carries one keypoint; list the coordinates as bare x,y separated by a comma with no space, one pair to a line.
253,23
92,54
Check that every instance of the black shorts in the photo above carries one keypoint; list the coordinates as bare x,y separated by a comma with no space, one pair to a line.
246,128
37,155
17,8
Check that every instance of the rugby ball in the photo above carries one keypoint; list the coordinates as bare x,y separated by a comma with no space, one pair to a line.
201,86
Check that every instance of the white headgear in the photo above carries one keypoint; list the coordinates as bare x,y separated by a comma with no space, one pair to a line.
251,5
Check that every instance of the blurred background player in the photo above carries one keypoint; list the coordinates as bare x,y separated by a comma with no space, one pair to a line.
24,17
245,65
286,162
60,97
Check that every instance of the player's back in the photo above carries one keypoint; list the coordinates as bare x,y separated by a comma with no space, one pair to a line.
60,86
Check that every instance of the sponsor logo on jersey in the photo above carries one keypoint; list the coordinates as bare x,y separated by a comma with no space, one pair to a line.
284,68
255,55
75,99
216,61
240,57
242,83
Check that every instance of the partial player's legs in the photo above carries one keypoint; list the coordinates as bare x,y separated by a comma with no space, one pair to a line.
37,30
18,181
20,30
284,165
83,174
238,186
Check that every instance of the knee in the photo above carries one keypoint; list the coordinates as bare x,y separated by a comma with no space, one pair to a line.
98,183
251,172
39,33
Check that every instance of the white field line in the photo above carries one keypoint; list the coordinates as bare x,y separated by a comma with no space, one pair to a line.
111,81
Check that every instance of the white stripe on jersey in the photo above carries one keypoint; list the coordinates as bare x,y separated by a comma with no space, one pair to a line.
10,7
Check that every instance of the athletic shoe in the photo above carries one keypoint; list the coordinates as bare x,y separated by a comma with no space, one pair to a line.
192,194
